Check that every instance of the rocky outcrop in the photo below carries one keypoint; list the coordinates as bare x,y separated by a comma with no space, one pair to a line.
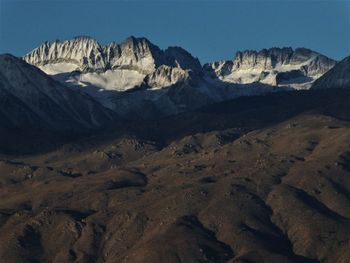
137,54
265,65
337,77
165,76
85,52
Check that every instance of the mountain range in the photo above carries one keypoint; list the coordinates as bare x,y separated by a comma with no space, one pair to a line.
137,61
137,74
130,153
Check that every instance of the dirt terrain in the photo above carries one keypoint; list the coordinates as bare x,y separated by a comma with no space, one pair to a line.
260,179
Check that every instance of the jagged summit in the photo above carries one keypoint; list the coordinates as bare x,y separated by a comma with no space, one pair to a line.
275,52
297,68
136,53
84,37
82,52
179,56
134,62
271,58
134,39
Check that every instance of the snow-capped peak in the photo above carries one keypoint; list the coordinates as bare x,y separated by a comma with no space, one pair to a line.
84,61
274,66
88,55
83,52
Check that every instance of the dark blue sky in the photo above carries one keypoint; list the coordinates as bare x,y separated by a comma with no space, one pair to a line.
210,30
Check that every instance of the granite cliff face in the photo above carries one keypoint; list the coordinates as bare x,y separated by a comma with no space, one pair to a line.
299,67
134,56
83,52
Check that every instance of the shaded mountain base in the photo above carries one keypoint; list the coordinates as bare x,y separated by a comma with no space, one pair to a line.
244,113
257,179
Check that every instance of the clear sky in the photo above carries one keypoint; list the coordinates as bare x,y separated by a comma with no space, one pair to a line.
210,30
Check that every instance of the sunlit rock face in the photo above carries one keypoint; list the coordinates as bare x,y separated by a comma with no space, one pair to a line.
83,52
135,74
86,55
300,67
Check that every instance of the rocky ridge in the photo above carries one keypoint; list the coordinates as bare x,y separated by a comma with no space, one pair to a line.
274,66
86,55
337,77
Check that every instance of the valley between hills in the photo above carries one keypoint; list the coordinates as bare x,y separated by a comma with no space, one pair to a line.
249,180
